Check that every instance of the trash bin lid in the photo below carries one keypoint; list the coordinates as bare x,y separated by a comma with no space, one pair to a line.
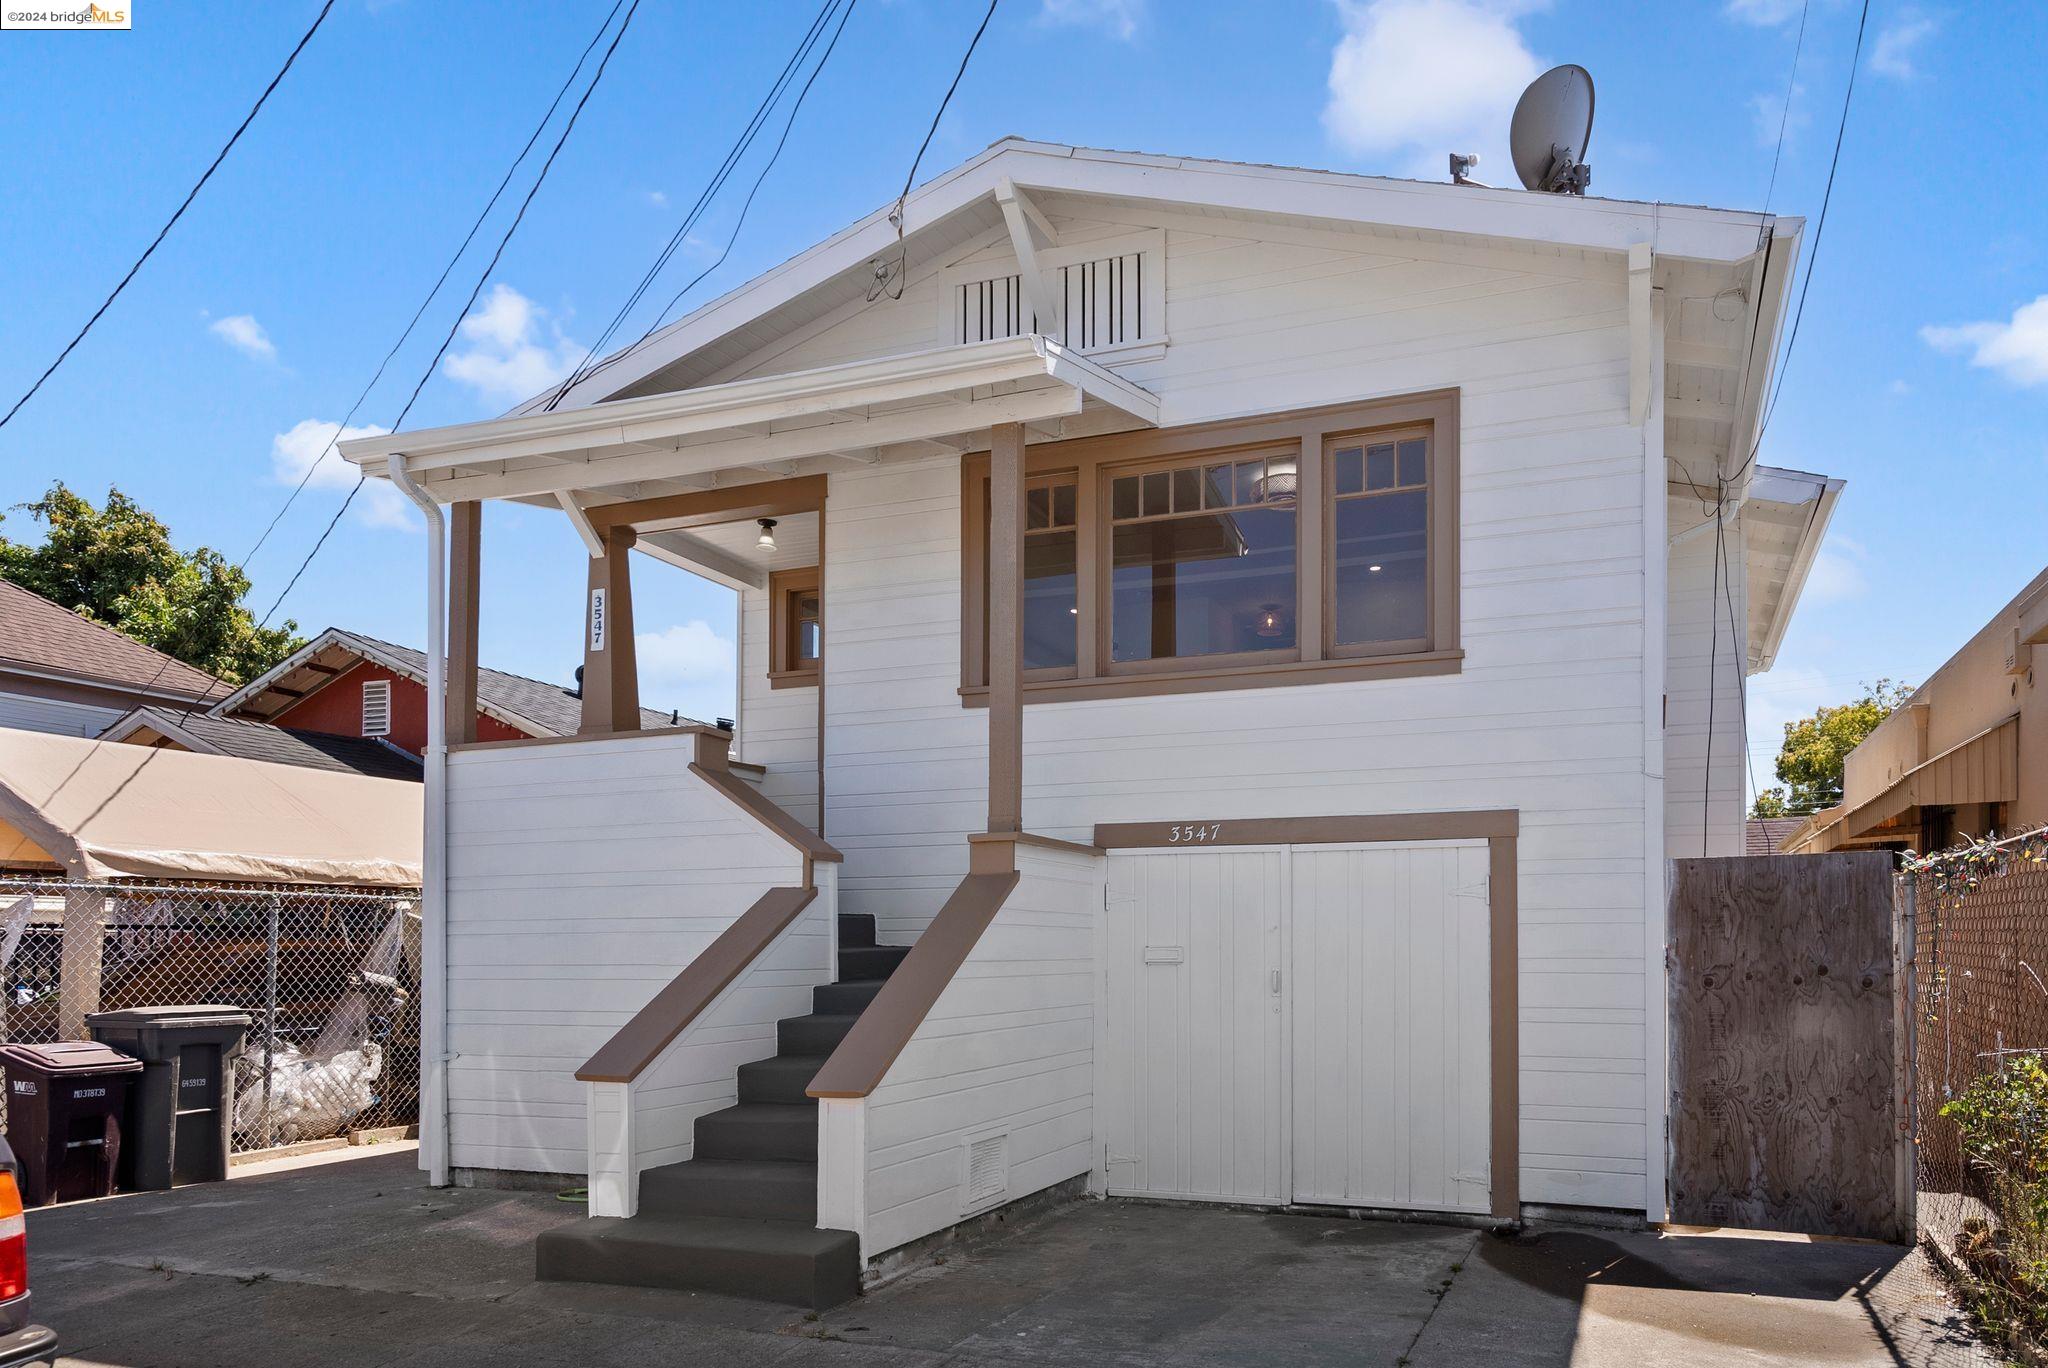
190,1014
73,1057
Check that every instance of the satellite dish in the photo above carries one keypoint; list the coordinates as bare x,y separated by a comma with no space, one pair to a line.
1553,123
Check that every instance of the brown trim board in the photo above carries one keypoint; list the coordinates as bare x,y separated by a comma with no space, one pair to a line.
641,1040
1500,829
864,1056
813,846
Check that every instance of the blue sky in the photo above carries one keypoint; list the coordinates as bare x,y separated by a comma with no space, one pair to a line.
1920,375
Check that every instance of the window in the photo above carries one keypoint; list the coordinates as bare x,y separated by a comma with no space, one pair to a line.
1202,559
1379,543
796,628
1299,548
376,707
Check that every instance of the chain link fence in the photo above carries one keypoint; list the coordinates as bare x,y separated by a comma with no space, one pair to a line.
328,976
1980,1021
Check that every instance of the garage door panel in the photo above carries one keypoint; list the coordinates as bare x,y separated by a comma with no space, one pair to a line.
1398,1045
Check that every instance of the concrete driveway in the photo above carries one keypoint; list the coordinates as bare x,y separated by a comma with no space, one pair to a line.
358,1263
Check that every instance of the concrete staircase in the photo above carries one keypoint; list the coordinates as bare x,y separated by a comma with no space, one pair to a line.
741,1217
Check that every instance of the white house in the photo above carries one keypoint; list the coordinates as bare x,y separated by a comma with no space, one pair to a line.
1250,632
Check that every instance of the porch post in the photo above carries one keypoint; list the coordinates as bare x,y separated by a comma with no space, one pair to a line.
1006,628
611,675
465,557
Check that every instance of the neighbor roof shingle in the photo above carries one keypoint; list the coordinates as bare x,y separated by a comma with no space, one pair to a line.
286,745
39,634
1762,835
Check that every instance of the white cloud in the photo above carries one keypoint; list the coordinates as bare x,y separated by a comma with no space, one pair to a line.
515,349
1765,13
245,335
658,199
2016,349
1837,574
1412,81
310,444
1893,55
1117,17
689,666
1773,114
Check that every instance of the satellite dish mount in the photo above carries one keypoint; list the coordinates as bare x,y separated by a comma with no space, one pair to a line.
1552,126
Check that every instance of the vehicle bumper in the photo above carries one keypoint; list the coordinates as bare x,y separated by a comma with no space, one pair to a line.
30,1344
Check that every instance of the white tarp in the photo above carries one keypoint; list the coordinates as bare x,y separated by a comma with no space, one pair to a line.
106,810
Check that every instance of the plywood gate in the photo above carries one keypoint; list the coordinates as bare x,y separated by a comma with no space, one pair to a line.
1784,1046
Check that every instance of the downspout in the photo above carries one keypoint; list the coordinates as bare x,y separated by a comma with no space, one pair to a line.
434,842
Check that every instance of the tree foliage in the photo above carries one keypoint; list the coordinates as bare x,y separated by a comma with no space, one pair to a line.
116,565
1810,759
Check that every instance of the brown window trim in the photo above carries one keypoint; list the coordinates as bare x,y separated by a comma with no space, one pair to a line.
1315,659
784,671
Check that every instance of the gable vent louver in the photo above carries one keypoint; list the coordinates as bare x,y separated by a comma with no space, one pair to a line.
377,707
1102,304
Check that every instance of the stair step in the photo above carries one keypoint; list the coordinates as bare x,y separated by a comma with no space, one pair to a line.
845,999
781,1079
869,961
856,929
816,1034
752,1189
784,1261
759,1130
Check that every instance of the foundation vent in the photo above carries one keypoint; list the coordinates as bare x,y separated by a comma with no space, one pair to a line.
988,1171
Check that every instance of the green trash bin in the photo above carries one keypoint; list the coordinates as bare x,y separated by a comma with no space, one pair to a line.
185,1104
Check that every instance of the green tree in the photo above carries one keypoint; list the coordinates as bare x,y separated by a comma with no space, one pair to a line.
116,565
1769,803
1810,760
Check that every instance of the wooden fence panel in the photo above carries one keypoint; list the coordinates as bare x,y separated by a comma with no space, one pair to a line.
1784,1112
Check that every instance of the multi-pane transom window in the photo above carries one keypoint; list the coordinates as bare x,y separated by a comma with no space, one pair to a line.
1379,542
1202,559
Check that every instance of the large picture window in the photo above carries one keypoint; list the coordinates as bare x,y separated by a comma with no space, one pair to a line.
1301,548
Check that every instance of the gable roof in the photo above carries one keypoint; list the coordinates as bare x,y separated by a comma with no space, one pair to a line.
210,735
529,705
45,638
1763,835
956,207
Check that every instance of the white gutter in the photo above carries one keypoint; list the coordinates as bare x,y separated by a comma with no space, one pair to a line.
434,844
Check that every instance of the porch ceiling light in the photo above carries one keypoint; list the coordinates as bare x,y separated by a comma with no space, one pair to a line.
766,542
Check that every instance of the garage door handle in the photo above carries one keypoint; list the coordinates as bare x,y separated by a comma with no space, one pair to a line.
1276,983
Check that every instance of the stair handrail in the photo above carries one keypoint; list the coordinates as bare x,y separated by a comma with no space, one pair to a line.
712,764
856,1068
669,1012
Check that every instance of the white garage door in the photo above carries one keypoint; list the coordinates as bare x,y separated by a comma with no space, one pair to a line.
1299,1024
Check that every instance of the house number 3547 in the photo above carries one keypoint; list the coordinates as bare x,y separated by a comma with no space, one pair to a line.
1196,833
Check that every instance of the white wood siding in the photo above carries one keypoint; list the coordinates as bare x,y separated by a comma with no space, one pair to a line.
1698,616
778,727
1008,1050
28,712
581,878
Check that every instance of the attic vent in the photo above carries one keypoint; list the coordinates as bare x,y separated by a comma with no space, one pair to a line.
1102,304
376,707
988,1171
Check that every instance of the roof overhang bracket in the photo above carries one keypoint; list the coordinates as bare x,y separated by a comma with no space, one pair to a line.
580,520
1031,233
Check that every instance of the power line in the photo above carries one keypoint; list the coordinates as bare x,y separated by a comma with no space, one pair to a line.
1813,255
585,369
179,213
482,276
940,113
446,271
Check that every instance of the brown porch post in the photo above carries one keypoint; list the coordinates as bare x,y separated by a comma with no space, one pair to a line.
465,560
1006,628
611,675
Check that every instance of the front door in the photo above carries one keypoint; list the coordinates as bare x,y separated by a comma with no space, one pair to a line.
1298,1024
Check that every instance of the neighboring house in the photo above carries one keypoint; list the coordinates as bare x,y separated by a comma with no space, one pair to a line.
1251,632
1965,756
346,684
64,673
1763,835
175,729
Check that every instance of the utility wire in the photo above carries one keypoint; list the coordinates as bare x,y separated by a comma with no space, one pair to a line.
590,365
939,114
482,276
179,213
446,271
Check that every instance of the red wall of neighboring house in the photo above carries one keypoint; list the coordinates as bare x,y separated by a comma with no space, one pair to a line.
337,710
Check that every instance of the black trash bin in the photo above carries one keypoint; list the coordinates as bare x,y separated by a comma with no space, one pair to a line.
185,1102
66,1102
